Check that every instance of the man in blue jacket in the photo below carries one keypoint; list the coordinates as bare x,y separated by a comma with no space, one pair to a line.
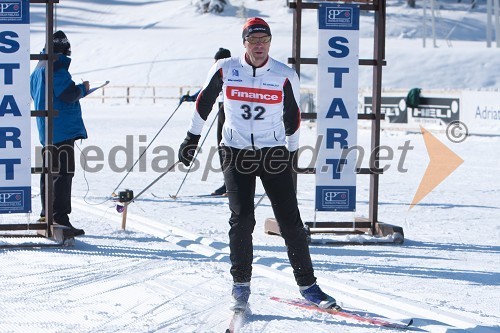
68,127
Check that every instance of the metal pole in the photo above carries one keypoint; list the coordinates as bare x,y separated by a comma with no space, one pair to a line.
297,27
489,24
296,47
49,124
379,56
497,21
425,23
55,17
433,26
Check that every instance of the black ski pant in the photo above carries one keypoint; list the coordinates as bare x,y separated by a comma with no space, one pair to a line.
63,160
241,167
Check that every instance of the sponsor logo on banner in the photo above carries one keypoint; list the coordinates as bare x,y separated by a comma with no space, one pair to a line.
11,200
11,10
481,111
394,108
335,198
433,109
254,95
345,17
340,16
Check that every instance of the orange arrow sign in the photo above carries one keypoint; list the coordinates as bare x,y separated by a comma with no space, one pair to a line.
442,163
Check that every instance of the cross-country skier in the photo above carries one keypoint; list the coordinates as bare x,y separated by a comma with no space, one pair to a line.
222,53
259,138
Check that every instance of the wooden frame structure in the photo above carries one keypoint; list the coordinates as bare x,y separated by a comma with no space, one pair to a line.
60,234
371,225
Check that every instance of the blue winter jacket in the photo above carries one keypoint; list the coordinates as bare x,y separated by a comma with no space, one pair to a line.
69,122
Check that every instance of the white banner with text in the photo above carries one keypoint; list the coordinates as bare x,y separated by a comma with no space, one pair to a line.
337,106
15,113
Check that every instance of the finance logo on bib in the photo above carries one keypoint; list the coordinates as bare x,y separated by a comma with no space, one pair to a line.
266,96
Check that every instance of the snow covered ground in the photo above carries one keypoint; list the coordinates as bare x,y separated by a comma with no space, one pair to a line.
169,270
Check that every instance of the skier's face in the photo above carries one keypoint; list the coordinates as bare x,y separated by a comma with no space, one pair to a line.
257,48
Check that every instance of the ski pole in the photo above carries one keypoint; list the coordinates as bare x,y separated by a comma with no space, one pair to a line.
194,158
158,133
124,209
157,179
260,200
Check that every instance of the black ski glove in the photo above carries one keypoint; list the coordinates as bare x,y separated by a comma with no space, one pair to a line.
188,148
188,98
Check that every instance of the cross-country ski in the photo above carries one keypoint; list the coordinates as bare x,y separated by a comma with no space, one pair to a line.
346,314
238,320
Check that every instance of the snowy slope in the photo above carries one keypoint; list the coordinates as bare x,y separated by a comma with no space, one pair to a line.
168,42
169,271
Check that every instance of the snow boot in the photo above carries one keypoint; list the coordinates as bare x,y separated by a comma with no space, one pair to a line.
240,293
76,232
316,296
220,191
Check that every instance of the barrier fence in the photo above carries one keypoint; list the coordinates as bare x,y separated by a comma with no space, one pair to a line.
133,94
479,110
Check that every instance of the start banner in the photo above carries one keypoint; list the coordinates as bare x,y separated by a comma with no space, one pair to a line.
337,106
15,113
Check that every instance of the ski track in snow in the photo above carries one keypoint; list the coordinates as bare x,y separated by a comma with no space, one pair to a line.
158,304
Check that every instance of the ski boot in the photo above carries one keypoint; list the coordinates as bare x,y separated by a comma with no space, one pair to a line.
240,293
316,296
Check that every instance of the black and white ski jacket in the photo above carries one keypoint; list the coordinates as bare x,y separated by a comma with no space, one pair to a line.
261,105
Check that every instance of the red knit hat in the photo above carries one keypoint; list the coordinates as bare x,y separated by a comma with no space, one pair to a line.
255,24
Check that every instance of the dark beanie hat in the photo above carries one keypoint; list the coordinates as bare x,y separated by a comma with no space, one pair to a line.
255,24
61,43
222,54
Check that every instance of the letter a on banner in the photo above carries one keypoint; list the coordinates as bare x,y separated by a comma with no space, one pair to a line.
15,113
338,62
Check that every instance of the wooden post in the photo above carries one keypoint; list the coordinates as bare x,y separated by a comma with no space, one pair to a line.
124,215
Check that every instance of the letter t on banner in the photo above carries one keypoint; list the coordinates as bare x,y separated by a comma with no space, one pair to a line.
337,101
